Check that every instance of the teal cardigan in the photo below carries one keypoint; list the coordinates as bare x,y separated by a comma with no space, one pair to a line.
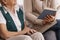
9,21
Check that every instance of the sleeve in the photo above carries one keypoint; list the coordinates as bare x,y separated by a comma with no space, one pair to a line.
38,5
58,14
33,18
2,19
56,3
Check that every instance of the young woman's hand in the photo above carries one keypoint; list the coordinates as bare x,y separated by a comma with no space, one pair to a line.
48,19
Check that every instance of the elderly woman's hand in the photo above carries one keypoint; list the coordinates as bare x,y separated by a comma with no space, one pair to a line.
29,31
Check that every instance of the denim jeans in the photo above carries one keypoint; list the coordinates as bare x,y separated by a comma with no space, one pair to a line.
56,28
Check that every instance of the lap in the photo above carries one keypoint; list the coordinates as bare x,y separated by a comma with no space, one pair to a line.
34,36
56,26
20,37
58,34
37,36
50,35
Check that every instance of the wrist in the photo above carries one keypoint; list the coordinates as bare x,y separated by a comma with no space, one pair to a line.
44,22
21,32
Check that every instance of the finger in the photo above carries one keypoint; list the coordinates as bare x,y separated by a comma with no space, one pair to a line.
28,33
47,19
51,16
48,16
34,31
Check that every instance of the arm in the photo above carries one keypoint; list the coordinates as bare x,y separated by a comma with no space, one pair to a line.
33,18
28,13
6,34
3,29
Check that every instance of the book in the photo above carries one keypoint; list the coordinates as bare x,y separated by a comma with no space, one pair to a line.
44,28
47,11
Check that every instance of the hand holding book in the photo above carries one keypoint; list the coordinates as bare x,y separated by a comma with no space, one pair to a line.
48,19
48,15
47,11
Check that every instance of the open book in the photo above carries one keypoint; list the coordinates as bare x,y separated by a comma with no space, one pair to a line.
47,11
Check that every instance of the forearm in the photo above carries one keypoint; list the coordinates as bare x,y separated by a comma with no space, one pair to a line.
10,34
6,34
32,18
